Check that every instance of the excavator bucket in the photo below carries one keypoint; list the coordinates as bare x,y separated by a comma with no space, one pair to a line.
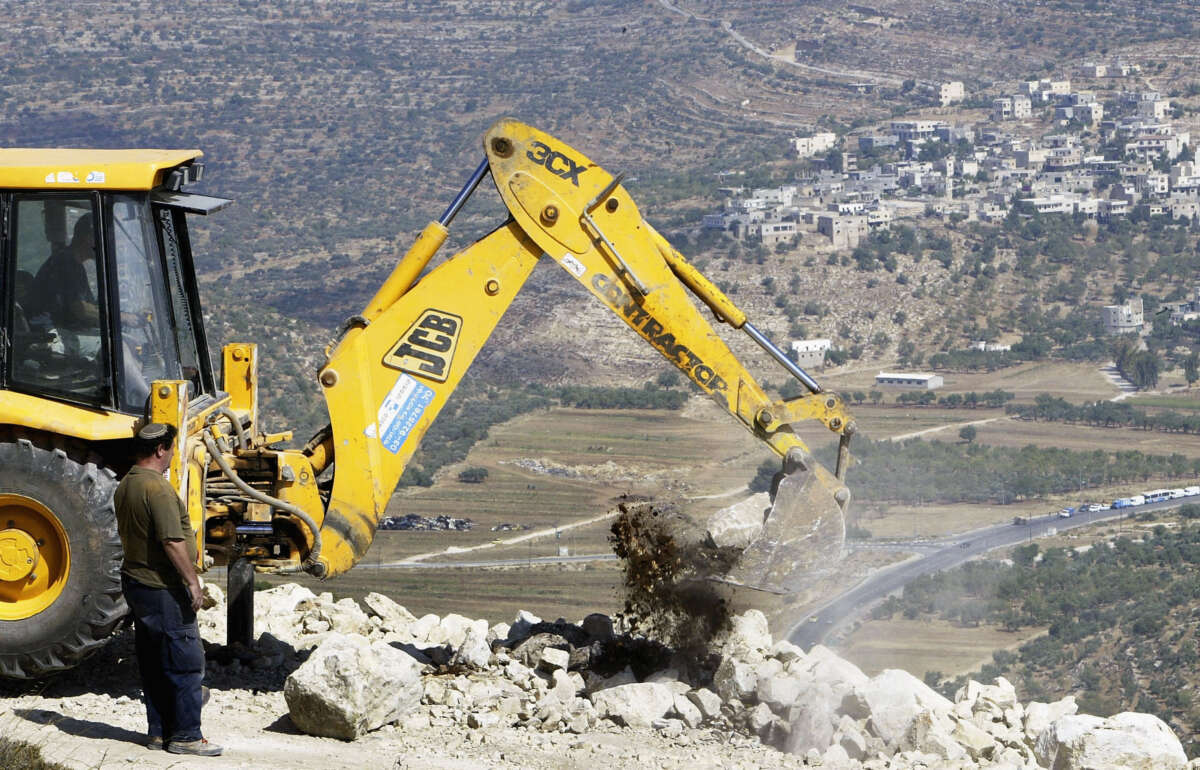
804,531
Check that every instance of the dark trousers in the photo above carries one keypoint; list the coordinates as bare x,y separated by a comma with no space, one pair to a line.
170,658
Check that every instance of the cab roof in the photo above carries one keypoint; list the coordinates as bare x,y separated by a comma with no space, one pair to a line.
81,169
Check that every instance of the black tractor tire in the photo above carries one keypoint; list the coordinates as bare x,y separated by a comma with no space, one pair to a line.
73,483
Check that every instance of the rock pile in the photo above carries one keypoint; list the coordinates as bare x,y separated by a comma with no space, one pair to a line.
354,669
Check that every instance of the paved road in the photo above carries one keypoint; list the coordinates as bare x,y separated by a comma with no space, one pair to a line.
816,626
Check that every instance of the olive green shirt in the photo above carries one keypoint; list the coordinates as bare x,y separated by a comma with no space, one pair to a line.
149,512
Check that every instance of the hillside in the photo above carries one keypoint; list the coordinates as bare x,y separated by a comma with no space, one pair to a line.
341,128
1120,612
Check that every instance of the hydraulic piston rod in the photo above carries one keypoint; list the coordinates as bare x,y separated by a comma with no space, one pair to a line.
781,357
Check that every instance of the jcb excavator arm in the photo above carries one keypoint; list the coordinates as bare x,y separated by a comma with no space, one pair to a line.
392,371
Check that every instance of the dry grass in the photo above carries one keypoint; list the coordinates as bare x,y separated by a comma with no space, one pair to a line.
1018,433
920,646
914,521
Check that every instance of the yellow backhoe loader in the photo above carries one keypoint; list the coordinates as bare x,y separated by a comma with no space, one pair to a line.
102,330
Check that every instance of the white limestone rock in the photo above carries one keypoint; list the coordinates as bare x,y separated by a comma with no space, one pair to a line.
687,711
275,610
350,686
707,701
1039,716
810,722
930,733
473,652
634,705
978,743
394,617
454,629
735,680
423,626
1128,741
786,652
737,525
553,659
779,692
759,718
521,625
747,633
895,698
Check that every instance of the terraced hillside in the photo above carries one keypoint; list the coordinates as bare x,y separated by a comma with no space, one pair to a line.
342,127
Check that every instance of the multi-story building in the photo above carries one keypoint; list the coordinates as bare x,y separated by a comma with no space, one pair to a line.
772,232
1183,207
1184,178
1090,113
951,93
1124,319
1112,207
917,130
843,231
808,146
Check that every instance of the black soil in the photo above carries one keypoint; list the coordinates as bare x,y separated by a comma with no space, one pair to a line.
669,561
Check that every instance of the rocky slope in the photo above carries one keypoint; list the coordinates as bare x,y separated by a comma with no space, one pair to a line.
343,685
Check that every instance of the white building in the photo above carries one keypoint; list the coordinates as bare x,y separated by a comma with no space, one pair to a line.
810,354
1183,207
1184,178
771,233
951,93
1021,107
918,381
1090,113
1124,319
808,146
1154,108
1054,204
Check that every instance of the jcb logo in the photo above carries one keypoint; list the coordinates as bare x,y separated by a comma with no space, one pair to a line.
427,348
555,162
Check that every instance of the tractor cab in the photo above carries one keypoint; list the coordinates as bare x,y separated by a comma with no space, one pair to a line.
97,288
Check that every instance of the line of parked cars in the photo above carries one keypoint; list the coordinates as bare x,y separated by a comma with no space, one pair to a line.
1153,496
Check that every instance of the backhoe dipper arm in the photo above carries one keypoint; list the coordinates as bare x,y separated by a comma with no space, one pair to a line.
393,370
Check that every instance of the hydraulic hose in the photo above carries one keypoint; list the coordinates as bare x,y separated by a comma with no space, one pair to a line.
229,414
310,564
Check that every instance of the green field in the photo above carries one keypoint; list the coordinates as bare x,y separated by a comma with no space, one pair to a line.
1167,402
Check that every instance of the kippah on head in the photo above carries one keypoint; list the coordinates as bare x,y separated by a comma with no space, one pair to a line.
153,431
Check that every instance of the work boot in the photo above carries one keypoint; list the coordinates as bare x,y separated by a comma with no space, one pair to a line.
155,743
197,748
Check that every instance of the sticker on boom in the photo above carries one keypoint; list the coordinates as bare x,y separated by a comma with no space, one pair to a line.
427,348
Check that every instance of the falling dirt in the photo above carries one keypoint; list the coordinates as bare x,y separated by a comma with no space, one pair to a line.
668,565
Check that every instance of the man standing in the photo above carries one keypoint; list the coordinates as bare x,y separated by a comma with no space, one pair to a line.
163,592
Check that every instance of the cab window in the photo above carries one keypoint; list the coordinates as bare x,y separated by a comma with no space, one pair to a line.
147,349
56,306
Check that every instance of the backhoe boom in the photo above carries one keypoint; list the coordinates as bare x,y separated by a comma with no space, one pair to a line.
397,364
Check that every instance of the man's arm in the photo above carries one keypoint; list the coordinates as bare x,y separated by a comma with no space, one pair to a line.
177,553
